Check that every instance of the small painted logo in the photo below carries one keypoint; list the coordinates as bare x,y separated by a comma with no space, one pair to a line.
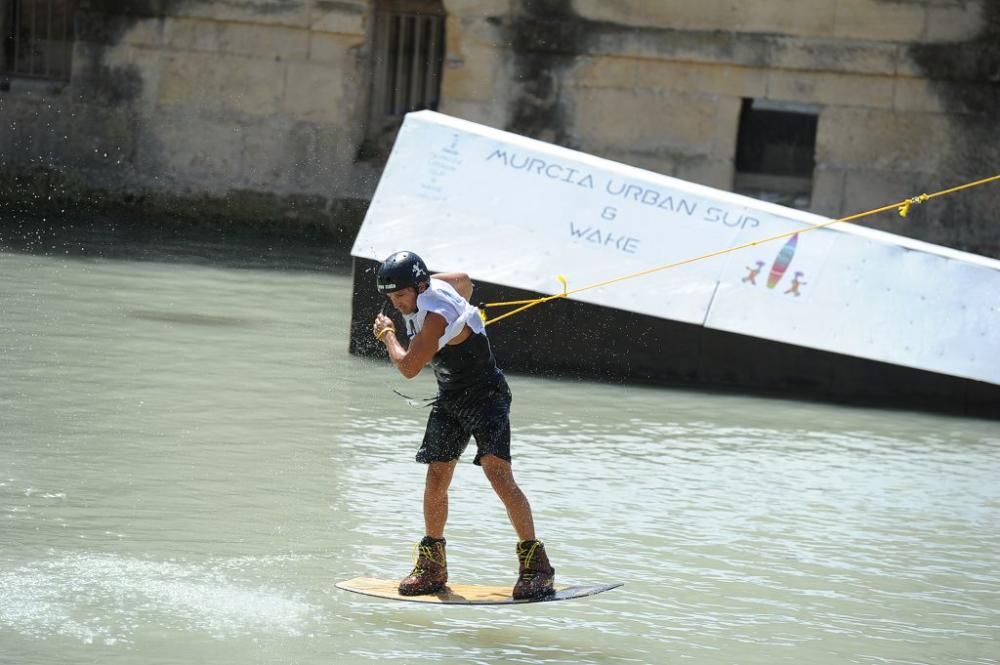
797,283
752,275
778,269
781,263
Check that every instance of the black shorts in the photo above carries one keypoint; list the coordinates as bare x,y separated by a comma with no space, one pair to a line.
482,412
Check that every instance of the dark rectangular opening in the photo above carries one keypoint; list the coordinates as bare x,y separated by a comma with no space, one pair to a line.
775,152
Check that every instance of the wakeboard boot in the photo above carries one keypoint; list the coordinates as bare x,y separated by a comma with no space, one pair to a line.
535,577
430,573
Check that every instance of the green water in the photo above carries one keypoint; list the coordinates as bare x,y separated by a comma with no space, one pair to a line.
189,460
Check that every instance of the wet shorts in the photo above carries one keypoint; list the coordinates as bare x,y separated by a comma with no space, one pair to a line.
482,412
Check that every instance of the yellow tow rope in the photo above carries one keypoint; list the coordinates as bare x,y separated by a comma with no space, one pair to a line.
903,207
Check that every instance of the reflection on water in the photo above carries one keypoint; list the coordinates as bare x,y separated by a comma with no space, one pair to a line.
189,460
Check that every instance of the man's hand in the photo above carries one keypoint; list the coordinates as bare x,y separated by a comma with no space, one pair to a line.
382,327
422,347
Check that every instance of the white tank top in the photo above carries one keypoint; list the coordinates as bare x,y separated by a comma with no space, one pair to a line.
441,298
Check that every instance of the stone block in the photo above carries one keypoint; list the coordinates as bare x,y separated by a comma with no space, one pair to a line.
655,161
193,154
955,22
597,122
956,61
851,138
727,125
191,34
268,42
251,87
716,173
142,67
866,190
828,192
217,83
97,27
878,20
830,89
315,92
693,77
605,72
335,49
263,162
473,76
833,55
478,7
191,80
817,18
291,13
917,95
105,145
475,31
907,65
492,113
149,32
298,158
710,47
40,131
681,124
316,157
788,17
678,14
454,39
342,18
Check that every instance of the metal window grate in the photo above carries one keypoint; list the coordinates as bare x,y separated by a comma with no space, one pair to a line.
38,39
409,51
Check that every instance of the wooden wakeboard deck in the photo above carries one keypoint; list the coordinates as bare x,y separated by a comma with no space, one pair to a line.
465,594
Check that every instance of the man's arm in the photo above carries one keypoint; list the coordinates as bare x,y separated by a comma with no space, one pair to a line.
423,346
459,281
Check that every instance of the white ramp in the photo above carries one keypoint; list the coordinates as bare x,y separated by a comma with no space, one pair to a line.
517,212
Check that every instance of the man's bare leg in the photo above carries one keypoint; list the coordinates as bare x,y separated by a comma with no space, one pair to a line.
536,576
436,497
430,573
501,477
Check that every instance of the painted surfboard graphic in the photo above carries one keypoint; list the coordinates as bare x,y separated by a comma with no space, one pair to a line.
780,264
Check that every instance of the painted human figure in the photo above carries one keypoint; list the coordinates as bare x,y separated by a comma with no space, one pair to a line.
473,400
752,275
796,284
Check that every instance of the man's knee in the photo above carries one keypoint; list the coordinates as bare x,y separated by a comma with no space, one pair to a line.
439,476
498,471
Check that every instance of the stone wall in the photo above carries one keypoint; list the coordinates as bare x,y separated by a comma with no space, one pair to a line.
255,109
908,92
227,110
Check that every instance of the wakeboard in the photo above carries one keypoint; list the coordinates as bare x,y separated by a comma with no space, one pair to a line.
466,594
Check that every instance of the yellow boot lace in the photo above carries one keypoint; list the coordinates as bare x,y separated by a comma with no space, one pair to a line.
528,574
425,551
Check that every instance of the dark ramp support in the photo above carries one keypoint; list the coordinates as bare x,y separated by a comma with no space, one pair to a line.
567,338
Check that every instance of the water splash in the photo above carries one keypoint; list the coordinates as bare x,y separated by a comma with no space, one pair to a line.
105,598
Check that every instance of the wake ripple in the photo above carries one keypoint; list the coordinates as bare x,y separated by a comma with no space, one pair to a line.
104,598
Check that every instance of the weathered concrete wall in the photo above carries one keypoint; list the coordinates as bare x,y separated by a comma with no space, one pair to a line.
909,91
243,109
255,109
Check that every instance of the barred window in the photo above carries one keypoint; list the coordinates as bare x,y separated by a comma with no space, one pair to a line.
37,38
775,151
407,55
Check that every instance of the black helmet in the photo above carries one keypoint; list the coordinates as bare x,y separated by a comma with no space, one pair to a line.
401,270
